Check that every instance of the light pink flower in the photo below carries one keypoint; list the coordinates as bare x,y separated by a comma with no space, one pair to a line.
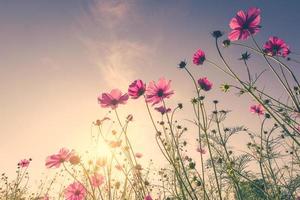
244,24
199,57
24,163
138,155
56,160
201,150
155,93
257,109
136,89
75,191
97,180
112,99
148,197
163,110
276,47
205,84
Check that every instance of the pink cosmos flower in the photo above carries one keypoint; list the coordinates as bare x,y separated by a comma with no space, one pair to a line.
136,89
148,197
75,191
205,84
138,155
163,110
244,24
155,93
56,160
97,180
24,163
112,99
200,150
276,47
199,57
257,109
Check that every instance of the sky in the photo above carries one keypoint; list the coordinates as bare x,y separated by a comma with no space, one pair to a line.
57,56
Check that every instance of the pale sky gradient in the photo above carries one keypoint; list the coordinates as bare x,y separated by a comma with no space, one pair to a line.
57,56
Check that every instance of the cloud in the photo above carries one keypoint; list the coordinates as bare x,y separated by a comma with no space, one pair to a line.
117,57
119,62
111,13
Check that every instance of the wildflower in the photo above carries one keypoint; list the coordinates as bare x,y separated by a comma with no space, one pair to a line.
201,150
199,57
217,34
194,100
74,159
129,118
24,163
182,64
101,162
119,167
225,87
205,84
148,197
257,109
163,110
46,197
180,106
115,144
136,89
244,24
98,122
276,47
56,160
75,191
226,43
138,155
157,92
117,185
245,56
112,99
97,180
138,167
114,132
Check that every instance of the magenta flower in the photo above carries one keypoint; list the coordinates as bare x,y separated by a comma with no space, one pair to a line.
205,84
276,47
24,163
257,109
148,197
56,160
97,180
75,191
244,24
155,93
112,99
199,57
136,89
163,110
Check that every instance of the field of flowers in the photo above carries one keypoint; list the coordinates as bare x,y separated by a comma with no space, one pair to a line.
268,169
